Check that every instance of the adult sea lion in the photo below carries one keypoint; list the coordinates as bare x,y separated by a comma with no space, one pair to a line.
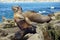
22,22
33,16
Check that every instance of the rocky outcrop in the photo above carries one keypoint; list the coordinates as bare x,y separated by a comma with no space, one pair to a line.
55,29
44,31
34,37
8,23
3,32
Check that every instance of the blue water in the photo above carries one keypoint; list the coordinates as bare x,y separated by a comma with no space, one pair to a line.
42,7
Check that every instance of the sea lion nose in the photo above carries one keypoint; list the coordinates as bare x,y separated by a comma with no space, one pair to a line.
13,8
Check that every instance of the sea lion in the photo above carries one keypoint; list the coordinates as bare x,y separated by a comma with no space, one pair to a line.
18,16
34,17
22,22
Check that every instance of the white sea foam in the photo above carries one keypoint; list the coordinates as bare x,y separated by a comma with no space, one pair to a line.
43,11
52,7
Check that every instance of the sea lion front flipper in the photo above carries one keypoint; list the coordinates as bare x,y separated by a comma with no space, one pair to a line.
28,21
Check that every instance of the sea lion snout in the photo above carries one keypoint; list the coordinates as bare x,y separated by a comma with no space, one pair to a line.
16,8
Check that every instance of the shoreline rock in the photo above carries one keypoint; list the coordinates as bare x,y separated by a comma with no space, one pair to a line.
45,31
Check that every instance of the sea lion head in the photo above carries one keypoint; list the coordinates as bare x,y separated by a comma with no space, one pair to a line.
17,8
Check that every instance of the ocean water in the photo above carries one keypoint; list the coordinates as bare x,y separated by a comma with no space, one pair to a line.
43,7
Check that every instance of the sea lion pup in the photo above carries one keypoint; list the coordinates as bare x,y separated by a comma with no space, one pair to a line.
25,25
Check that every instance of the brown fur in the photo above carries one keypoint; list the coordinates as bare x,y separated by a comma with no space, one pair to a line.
30,15
18,16
33,16
22,22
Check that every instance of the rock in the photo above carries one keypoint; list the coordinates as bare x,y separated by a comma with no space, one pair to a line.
3,32
44,31
11,36
3,38
34,37
8,37
57,15
28,35
8,24
40,29
55,29
40,35
55,23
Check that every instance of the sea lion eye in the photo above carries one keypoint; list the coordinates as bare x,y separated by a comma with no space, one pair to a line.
13,8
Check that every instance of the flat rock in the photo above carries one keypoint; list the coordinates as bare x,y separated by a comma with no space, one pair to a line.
34,37
3,32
